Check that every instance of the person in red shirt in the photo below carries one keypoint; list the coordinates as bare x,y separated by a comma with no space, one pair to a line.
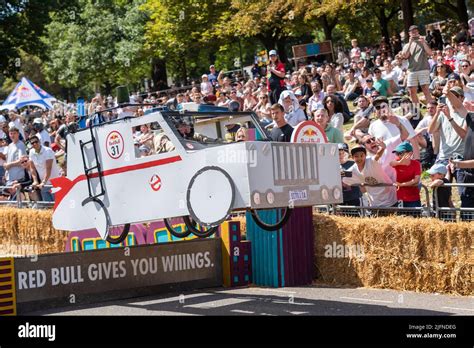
449,58
276,77
408,176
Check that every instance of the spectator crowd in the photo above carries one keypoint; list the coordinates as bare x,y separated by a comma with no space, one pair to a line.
407,108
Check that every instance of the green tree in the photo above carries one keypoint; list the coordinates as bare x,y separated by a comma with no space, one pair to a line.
180,32
99,46
21,24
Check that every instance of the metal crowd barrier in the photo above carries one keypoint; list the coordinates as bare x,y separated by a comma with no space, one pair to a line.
18,201
452,213
446,214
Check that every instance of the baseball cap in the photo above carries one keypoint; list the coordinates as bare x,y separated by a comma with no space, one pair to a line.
454,76
438,169
379,100
212,66
448,47
457,91
358,149
412,27
298,92
203,76
404,147
369,80
343,146
37,120
272,53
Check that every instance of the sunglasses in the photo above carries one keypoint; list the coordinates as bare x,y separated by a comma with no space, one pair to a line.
34,142
24,162
380,106
370,141
465,66
399,153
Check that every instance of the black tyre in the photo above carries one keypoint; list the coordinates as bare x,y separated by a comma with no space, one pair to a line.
192,226
177,234
119,239
271,227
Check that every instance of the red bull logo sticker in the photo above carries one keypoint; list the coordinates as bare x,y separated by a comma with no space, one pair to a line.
155,183
308,132
24,92
114,144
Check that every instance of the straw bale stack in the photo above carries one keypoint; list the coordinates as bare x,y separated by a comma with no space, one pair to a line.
402,253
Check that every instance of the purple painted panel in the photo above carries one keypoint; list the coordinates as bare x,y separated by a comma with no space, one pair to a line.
298,246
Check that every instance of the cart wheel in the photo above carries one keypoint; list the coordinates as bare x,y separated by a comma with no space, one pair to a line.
210,196
203,233
119,239
271,227
177,234
96,210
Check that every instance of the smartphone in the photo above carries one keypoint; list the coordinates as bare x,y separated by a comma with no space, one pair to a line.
442,100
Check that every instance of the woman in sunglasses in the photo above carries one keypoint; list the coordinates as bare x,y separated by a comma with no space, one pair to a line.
334,108
466,72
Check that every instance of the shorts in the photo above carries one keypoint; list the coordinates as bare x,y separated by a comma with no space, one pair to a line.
416,78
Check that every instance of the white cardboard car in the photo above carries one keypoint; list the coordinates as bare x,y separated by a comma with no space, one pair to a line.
203,182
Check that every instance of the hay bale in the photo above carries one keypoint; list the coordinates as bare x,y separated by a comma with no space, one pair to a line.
398,253
27,231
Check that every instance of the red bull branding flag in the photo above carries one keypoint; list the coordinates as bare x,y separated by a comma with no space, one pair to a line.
27,93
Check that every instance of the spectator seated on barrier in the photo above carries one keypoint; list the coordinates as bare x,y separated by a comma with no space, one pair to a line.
3,157
442,198
25,186
350,194
43,168
16,149
408,176
367,170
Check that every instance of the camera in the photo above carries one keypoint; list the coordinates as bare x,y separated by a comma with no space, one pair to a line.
346,173
442,100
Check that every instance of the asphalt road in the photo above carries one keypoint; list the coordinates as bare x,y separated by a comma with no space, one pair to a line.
310,300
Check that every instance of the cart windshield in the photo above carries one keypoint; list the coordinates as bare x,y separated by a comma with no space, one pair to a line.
200,130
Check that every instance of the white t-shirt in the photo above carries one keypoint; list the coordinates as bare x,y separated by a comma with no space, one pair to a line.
295,117
373,173
39,159
355,53
388,156
386,130
391,76
424,123
206,88
4,150
44,137
316,102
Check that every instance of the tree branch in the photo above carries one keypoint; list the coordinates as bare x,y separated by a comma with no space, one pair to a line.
447,4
